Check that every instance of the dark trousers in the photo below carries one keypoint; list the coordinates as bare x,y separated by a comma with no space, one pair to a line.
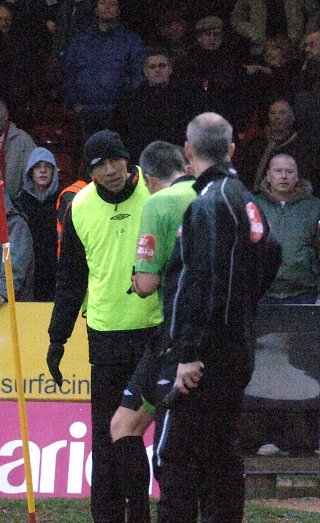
198,464
107,385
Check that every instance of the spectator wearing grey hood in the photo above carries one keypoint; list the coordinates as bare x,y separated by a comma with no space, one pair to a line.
22,256
38,201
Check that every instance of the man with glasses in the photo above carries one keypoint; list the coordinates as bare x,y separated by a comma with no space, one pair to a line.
157,110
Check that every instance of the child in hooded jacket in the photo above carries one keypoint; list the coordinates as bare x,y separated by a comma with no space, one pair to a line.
38,201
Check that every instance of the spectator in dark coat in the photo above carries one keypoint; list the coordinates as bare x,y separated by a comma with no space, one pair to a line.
173,34
22,256
307,103
15,83
310,71
213,67
157,110
276,74
73,16
279,136
38,201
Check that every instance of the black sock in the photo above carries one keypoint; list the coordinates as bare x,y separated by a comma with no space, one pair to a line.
134,473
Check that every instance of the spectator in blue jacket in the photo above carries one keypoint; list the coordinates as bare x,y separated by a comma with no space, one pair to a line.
102,63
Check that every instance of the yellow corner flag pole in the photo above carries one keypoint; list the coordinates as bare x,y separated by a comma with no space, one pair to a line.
4,240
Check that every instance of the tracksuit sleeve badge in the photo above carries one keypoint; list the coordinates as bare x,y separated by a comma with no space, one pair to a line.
255,221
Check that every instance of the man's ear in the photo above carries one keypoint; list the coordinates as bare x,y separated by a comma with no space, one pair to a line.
268,175
231,149
188,151
150,181
146,178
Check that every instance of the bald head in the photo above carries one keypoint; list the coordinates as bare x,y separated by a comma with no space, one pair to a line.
283,157
282,176
210,137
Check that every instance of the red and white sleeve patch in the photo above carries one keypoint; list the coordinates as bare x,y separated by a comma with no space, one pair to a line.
256,223
146,247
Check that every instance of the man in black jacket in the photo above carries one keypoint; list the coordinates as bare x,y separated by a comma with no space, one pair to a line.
227,265
97,255
157,109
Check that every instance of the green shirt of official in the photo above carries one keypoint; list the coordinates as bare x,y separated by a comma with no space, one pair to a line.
161,219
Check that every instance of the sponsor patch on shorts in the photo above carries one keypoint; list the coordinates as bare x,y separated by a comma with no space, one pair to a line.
256,223
146,247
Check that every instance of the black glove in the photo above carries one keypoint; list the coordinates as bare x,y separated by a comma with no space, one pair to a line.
54,356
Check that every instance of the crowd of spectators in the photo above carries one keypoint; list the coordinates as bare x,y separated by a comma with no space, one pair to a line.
70,68
145,69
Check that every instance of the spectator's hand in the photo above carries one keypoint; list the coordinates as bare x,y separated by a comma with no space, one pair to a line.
252,69
54,356
265,69
188,376
51,26
2,300
255,68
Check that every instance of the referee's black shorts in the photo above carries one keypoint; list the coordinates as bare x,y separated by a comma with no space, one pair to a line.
141,388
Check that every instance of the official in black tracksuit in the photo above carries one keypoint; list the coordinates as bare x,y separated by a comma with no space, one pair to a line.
228,263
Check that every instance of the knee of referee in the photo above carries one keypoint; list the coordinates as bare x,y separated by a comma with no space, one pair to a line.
128,422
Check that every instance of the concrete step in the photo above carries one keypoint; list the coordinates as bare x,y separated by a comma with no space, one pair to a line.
282,477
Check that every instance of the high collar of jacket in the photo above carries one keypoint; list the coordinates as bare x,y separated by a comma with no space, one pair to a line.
284,141
158,89
219,170
303,190
110,28
183,178
13,130
126,192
